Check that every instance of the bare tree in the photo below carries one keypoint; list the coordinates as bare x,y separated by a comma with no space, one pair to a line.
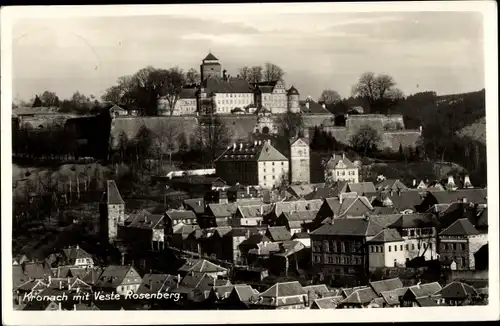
193,76
272,72
166,136
172,82
49,99
378,91
213,135
329,96
366,138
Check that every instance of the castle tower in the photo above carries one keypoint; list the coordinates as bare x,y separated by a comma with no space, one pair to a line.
300,162
111,212
210,67
293,100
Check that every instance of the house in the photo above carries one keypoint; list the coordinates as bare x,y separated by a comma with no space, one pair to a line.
272,95
174,217
292,205
474,196
254,241
257,164
386,249
119,279
339,249
300,191
250,215
458,244
36,271
327,303
392,298
225,93
296,221
278,233
360,188
304,238
116,111
283,295
146,230
179,237
185,104
300,162
218,214
387,285
202,266
241,297
346,205
154,283
321,193
360,298
422,295
220,243
404,202
340,168
388,185
197,205
320,290
458,294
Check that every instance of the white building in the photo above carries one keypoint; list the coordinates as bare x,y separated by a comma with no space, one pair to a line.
340,168
300,162
185,105
386,249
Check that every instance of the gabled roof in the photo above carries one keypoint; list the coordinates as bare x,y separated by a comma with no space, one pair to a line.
361,188
284,289
425,290
92,275
279,233
415,221
328,302
426,302
404,199
387,235
112,196
174,214
300,190
244,292
339,161
297,205
392,297
319,289
201,266
293,91
152,283
349,227
210,57
75,253
390,184
312,107
457,290
113,275
361,296
223,210
322,193
302,216
476,196
386,285
144,220
36,271
385,220
218,85
260,152
460,227
269,153
196,204
377,210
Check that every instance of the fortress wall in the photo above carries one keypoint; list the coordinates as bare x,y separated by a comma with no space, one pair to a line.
339,133
405,138
376,121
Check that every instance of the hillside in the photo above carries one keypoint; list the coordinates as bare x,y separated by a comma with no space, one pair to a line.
475,131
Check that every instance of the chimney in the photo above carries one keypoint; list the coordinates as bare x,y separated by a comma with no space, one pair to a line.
260,142
343,156
261,210
464,200
77,247
198,202
248,190
414,183
333,156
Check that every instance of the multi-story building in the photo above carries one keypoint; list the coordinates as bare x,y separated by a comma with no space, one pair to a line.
210,66
340,168
300,162
258,164
272,95
185,105
293,100
111,212
386,249
339,249
458,244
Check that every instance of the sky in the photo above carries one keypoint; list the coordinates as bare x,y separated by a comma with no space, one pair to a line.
438,51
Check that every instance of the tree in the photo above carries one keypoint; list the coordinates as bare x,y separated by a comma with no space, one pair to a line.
378,91
291,125
330,97
37,103
365,139
49,99
166,137
193,76
213,135
182,142
171,84
272,72
251,74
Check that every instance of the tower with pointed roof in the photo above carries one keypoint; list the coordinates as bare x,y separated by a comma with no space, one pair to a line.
111,212
293,98
210,66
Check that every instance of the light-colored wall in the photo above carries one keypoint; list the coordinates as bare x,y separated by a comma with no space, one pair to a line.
293,103
127,288
84,262
270,175
225,102
384,254
350,175
116,216
183,106
475,243
300,163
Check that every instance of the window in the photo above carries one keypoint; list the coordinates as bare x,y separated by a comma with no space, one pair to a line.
418,246
425,246
330,260
371,248
412,246
395,247
389,248
430,246
282,163
401,247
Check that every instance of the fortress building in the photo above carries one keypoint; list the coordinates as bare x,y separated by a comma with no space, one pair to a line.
210,67
300,162
111,213
293,98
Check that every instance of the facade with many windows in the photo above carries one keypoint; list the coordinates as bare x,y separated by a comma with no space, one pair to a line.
340,168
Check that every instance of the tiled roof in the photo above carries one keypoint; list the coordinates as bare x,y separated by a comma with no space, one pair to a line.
284,289
385,220
112,195
319,289
297,205
457,290
328,302
425,290
144,220
392,297
222,230
343,208
92,275
361,296
222,292
312,107
300,190
460,227
113,276
223,210
37,271
349,227
244,292
196,204
181,214
201,266
255,239
476,196
210,57
185,229
337,161
387,235
279,233
293,91
386,285
18,275
321,193
254,210
301,235
415,221
232,85
377,210
404,199
263,151
152,283
302,216
348,291
426,302
390,184
361,188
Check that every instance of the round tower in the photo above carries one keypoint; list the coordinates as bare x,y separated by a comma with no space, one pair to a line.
293,100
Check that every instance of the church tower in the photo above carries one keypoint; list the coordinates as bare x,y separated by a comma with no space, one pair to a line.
111,212
210,67
300,162
293,100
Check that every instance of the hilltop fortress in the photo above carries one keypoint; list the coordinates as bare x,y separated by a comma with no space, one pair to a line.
249,109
